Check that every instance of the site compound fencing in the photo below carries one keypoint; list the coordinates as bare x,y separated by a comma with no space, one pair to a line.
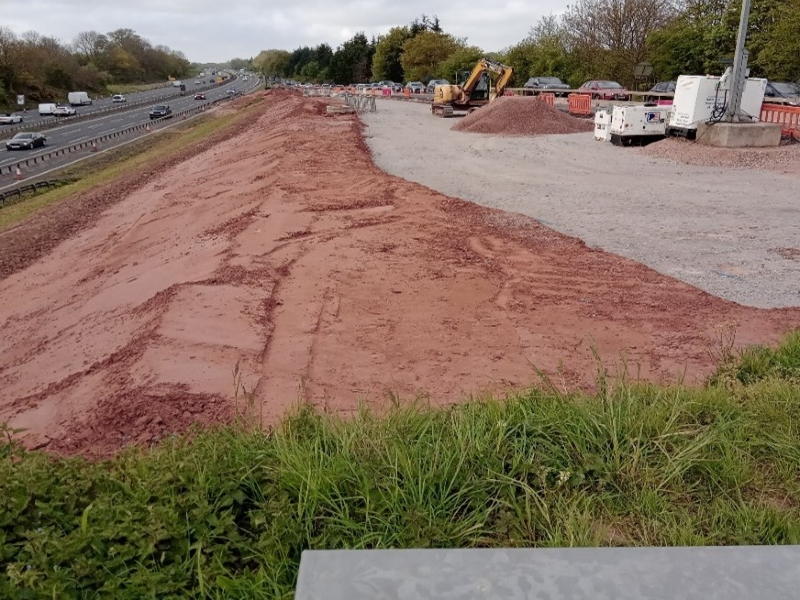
788,117
92,145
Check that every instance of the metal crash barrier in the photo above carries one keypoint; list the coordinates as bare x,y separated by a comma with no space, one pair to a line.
691,573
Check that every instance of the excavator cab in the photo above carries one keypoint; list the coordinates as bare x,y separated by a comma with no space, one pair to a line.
478,89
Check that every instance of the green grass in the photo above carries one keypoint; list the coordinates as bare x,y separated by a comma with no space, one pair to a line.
226,513
108,166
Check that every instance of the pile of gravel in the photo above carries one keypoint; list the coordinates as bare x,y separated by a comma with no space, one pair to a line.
783,159
515,115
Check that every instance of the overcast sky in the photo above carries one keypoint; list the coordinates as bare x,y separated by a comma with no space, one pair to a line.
218,30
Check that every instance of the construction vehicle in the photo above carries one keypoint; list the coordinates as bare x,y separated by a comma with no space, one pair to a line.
477,90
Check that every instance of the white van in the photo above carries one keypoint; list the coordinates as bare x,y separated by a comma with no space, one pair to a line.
78,98
46,109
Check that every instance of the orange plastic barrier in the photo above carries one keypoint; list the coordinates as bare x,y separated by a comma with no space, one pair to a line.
548,98
580,104
787,116
406,93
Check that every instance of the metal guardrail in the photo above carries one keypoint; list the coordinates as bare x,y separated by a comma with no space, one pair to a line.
121,107
20,191
41,158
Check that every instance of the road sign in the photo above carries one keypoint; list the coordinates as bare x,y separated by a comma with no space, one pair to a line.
21,100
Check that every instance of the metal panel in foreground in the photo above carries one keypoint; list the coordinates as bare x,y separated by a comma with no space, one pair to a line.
702,573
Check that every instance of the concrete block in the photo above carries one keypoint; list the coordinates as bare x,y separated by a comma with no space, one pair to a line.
688,573
739,135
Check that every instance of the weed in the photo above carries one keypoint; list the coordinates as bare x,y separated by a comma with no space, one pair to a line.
226,513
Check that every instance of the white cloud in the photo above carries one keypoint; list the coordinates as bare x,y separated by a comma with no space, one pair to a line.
214,30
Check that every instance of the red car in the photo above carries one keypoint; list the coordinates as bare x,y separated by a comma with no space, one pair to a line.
605,90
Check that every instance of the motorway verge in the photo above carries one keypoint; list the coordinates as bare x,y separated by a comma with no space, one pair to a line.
31,228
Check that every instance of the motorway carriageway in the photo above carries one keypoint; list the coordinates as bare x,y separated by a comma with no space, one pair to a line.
87,130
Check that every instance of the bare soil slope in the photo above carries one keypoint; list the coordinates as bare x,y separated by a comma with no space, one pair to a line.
286,251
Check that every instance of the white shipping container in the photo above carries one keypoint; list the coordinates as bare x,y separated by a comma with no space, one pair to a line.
696,97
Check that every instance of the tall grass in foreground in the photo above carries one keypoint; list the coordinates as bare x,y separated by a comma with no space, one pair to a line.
228,513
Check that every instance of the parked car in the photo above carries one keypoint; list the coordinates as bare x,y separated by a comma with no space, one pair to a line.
200,96
10,119
664,87
118,98
546,83
433,83
26,141
605,90
160,111
415,87
397,88
783,93
64,111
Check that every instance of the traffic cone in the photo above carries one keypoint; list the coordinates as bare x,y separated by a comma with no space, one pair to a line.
147,129
94,146
18,174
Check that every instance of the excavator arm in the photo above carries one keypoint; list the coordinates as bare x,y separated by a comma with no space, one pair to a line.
504,72
447,98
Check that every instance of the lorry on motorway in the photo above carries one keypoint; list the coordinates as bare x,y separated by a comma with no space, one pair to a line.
176,84
78,98
46,108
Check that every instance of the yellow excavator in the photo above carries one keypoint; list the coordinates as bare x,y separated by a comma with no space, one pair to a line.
476,91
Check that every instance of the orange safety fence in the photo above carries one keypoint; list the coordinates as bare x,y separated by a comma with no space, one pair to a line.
406,93
787,116
548,98
580,104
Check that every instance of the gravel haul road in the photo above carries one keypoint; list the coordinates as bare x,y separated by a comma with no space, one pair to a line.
284,250
723,228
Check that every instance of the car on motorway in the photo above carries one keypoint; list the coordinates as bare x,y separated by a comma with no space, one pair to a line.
64,111
197,82
429,89
26,141
415,87
160,111
199,96
550,84
604,90
10,119
118,98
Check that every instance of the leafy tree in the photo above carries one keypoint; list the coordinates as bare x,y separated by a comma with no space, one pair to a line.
388,51
352,61
271,62
780,53
423,54
463,59
610,36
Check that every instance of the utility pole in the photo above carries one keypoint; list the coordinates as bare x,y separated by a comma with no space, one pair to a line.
739,70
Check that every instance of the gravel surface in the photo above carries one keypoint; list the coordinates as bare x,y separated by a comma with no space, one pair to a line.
731,232
783,159
521,116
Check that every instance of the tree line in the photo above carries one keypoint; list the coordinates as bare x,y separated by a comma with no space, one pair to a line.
43,67
591,39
